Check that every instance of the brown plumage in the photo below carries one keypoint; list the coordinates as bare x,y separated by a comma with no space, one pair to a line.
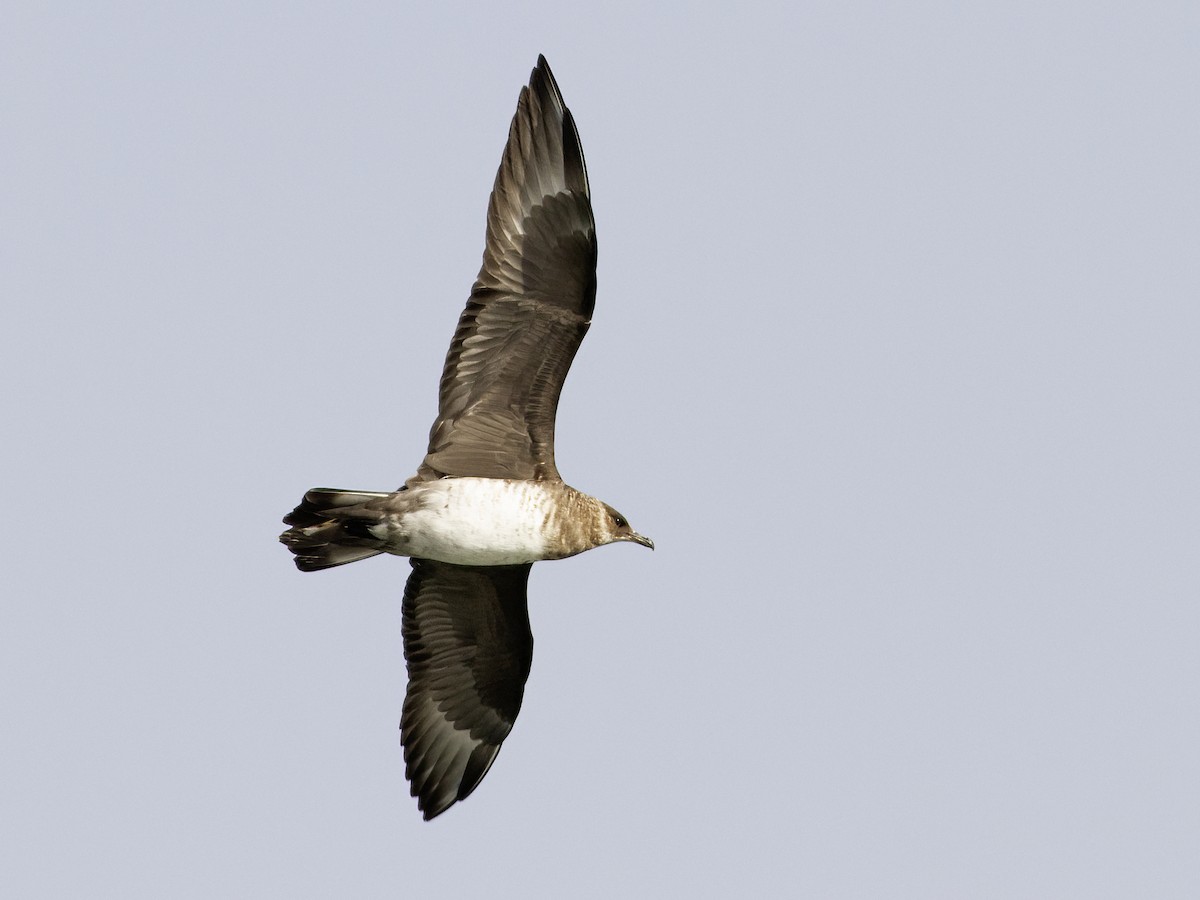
530,306
487,501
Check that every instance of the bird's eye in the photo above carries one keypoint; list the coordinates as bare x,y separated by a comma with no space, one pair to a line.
619,521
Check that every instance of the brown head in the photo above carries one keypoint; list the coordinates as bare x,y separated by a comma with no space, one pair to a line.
615,527
581,522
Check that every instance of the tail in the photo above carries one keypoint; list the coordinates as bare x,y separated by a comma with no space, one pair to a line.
325,531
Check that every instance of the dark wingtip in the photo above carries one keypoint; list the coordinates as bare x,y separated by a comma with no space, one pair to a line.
430,814
427,801
543,83
433,798
542,72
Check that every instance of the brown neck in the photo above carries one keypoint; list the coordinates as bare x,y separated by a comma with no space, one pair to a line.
579,521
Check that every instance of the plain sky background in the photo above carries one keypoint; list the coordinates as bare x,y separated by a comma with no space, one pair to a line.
894,355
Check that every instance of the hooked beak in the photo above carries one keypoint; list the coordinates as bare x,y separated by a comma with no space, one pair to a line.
641,539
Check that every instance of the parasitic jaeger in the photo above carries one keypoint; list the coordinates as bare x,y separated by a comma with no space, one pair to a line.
487,501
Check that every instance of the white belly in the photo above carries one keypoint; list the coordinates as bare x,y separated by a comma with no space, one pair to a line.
474,522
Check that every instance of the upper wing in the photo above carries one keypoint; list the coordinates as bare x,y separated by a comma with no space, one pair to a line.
468,646
530,306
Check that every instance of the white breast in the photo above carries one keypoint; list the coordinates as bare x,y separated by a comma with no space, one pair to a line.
476,522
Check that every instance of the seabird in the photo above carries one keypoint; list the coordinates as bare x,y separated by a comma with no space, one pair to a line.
487,501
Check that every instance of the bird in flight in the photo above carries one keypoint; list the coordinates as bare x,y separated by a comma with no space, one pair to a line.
487,501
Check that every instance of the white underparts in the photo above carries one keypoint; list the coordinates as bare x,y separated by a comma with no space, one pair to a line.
473,522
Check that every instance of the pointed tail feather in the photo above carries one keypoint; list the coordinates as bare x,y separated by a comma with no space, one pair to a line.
327,531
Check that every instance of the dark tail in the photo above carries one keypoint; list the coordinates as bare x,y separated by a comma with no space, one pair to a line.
326,532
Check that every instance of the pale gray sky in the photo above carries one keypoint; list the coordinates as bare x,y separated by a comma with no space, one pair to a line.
894,356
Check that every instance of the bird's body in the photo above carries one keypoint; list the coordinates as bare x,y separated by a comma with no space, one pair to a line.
478,522
487,501
465,521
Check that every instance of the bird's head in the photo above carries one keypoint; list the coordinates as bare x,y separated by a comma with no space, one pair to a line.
617,528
